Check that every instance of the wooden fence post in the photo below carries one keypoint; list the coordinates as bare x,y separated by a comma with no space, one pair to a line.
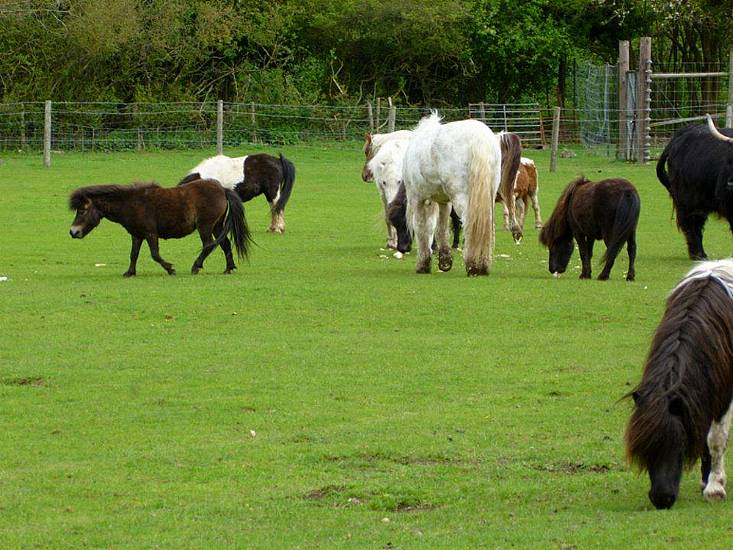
729,116
623,69
254,122
391,117
379,113
220,127
47,134
555,138
370,115
644,99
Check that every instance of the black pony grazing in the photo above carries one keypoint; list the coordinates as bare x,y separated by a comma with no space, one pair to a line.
150,212
682,406
397,216
699,178
250,176
589,211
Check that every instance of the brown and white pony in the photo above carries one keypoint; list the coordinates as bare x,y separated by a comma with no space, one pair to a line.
682,406
526,190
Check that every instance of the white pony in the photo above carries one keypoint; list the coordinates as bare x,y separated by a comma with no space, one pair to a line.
385,168
458,163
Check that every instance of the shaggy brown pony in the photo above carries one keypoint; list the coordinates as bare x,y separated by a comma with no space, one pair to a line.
589,211
150,212
682,404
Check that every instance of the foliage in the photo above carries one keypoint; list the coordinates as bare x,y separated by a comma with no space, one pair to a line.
308,51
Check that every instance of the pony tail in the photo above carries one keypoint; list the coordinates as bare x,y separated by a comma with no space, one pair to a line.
286,186
235,224
624,224
479,231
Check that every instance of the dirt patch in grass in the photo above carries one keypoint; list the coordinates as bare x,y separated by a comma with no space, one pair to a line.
324,492
405,460
571,468
24,381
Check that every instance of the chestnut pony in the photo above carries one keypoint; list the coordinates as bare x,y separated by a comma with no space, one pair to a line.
150,212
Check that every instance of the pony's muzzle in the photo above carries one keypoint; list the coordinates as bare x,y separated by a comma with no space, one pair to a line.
76,232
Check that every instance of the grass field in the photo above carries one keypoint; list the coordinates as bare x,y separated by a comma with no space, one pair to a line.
323,396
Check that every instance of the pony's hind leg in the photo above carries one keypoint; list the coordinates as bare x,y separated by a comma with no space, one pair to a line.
134,252
277,222
226,246
152,241
208,245
536,207
631,249
445,260
585,247
426,217
717,443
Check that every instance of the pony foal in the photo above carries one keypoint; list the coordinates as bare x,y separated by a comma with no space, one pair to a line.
682,406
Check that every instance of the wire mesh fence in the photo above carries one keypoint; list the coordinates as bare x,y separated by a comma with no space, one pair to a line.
680,95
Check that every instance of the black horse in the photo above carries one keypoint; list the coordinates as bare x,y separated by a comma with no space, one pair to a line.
150,212
250,176
589,211
699,178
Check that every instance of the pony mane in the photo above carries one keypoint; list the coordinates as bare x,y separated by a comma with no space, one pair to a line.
430,122
556,228
688,368
81,195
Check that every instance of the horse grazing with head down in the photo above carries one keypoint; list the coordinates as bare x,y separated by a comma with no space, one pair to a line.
250,176
150,212
455,164
682,406
590,211
385,169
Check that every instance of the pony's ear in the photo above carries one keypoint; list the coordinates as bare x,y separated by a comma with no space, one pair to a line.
675,406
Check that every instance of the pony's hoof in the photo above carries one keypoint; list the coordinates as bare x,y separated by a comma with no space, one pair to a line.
477,270
602,277
423,267
714,492
128,274
229,270
630,278
171,271
195,270
445,262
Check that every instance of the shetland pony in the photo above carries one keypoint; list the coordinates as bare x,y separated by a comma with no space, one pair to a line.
385,169
682,406
250,176
454,164
590,211
374,142
150,212
526,190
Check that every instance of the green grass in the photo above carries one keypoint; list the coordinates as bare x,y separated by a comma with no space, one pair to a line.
323,396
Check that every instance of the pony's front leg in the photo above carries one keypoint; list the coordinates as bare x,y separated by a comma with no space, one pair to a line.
717,443
134,252
585,247
425,219
152,241
445,260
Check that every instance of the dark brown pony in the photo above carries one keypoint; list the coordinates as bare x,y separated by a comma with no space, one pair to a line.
590,211
682,404
150,212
